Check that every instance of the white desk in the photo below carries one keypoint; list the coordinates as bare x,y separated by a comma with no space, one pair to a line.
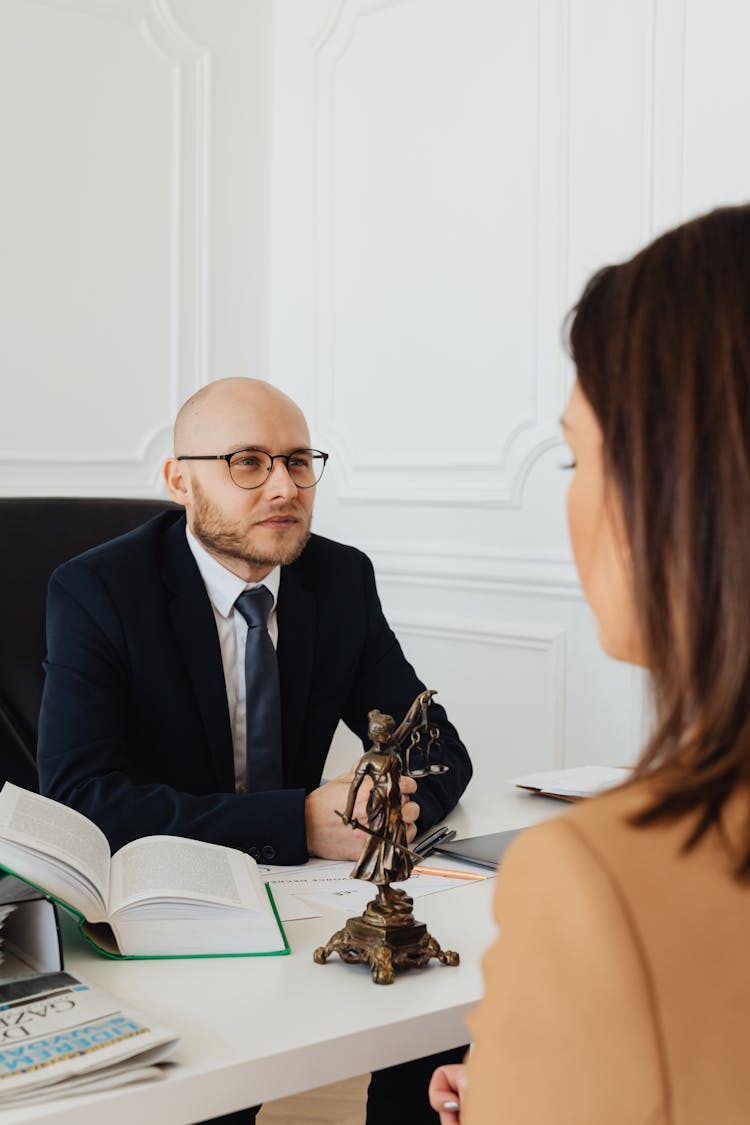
255,1029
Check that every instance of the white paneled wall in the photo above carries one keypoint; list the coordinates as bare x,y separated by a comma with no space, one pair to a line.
119,142
446,177
387,207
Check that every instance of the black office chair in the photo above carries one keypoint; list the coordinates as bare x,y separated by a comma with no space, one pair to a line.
36,535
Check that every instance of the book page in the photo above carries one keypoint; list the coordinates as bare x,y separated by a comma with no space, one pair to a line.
171,868
47,828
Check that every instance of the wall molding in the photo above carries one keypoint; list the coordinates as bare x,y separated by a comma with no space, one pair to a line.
189,143
477,569
495,479
550,642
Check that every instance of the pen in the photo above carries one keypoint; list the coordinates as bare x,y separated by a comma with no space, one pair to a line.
420,870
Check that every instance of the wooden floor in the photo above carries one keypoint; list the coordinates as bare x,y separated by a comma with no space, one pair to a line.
342,1103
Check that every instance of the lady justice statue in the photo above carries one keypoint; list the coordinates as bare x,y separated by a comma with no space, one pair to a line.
386,936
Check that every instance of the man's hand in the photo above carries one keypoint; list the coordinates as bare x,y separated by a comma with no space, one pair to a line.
409,808
447,1087
328,836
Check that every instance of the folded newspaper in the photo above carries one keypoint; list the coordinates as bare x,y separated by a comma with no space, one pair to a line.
59,1035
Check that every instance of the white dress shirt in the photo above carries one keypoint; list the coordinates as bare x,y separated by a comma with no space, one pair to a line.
223,589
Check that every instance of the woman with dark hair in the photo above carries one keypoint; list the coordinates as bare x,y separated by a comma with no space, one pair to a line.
618,991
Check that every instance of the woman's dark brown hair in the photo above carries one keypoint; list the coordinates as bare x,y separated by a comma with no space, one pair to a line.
661,345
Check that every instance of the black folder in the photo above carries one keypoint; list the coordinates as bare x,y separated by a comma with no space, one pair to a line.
485,851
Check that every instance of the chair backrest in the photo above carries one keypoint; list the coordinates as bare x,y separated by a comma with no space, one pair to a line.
36,535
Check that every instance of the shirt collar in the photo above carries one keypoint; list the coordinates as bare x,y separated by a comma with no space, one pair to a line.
222,586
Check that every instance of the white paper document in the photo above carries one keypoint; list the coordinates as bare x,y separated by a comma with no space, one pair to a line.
328,884
292,909
578,781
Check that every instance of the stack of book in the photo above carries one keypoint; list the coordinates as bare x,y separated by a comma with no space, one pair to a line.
29,930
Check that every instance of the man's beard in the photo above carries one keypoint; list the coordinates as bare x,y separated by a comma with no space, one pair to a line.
233,539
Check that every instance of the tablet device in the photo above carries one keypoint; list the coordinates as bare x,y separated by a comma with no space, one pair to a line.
483,850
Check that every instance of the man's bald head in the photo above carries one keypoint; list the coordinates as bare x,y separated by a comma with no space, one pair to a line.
231,413
249,530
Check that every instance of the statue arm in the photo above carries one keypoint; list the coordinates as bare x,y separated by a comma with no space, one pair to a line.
409,720
359,776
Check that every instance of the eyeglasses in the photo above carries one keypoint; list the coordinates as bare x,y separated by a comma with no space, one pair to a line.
251,468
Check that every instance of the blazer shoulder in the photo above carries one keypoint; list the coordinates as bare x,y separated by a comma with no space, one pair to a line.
324,556
607,824
125,551
566,945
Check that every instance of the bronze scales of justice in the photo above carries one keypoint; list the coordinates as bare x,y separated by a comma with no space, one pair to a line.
386,936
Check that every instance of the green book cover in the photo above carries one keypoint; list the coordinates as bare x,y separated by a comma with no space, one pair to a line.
156,897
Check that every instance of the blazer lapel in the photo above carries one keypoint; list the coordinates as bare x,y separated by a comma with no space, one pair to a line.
195,628
296,616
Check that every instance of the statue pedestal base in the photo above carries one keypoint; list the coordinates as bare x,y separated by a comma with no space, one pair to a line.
386,937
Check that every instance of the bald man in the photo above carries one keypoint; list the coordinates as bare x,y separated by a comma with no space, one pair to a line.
149,714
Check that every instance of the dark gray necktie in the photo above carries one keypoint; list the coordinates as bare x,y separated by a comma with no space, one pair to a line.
262,699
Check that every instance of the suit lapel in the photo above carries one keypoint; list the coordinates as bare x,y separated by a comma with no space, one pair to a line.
195,627
296,616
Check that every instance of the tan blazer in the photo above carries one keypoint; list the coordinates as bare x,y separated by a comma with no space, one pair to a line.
618,992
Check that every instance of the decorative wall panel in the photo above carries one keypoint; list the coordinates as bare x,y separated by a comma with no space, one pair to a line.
434,129
104,112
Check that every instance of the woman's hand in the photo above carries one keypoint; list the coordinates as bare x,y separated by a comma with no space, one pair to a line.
447,1087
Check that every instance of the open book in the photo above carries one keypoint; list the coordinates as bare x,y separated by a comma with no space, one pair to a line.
160,896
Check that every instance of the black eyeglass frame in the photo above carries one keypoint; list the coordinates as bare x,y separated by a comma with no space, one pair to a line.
285,457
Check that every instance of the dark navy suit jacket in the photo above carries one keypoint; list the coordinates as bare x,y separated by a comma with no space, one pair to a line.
134,730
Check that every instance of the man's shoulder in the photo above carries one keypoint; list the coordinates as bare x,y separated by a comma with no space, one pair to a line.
129,549
321,555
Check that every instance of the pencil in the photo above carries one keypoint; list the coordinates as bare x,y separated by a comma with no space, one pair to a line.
420,870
